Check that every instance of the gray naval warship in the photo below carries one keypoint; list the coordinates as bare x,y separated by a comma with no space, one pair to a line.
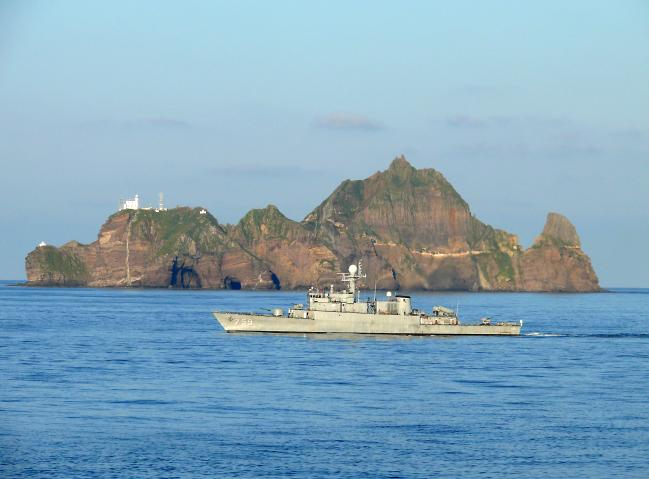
330,311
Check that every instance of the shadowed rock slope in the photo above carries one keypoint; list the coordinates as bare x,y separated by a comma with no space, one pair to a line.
287,247
410,228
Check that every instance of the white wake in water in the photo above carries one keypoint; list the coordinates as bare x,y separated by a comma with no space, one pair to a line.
543,335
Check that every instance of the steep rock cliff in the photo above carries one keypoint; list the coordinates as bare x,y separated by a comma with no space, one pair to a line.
410,228
50,266
295,257
181,247
413,230
556,262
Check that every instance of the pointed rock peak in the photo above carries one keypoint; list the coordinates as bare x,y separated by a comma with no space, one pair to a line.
271,211
271,208
559,228
400,163
265,223
269,214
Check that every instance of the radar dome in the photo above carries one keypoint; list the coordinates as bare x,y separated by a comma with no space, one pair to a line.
352,269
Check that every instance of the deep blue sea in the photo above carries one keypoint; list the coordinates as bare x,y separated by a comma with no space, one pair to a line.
145,384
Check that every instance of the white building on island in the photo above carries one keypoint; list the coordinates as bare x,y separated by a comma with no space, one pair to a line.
133,204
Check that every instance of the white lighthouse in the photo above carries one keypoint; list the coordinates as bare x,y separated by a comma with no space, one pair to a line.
133,204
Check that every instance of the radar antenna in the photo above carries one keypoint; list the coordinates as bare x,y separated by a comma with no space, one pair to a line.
354,274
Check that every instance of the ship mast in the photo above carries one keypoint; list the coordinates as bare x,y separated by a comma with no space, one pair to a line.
355,273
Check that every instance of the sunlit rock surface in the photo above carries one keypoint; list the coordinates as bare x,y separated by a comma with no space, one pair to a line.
408,227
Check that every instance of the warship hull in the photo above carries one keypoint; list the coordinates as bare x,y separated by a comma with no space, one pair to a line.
351,323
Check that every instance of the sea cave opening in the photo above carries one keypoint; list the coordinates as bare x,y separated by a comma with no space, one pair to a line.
230,282
276,282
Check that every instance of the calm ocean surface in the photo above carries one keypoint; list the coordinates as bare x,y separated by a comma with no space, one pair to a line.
144,383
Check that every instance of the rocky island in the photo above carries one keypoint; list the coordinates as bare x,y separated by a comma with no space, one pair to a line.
409,226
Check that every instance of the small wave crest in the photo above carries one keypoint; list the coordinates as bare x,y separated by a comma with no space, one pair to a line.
615,335
538,334
543,335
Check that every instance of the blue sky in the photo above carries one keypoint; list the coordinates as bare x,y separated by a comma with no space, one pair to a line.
526,107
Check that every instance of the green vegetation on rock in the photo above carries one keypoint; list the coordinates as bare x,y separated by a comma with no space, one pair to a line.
63,262
267,223
550,241
178,231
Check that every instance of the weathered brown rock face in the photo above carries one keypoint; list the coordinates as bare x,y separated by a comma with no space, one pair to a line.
177,248
555,262
406,206
186,249
290,250
50,266
559,228
410,228
413,230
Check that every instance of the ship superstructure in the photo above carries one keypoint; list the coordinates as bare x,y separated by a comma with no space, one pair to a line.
331,311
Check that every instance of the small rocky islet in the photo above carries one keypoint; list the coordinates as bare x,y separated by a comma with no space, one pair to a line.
409,227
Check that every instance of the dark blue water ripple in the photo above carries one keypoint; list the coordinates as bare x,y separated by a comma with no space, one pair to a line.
144,383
